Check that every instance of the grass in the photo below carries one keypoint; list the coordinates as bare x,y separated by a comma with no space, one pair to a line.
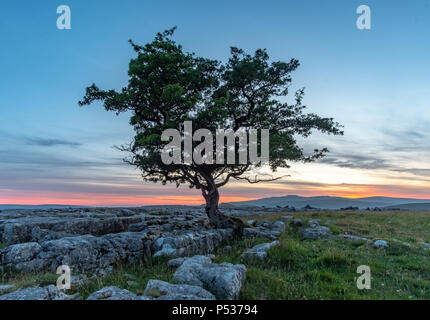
2,245
307,269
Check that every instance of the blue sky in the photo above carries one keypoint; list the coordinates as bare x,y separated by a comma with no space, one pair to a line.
375,82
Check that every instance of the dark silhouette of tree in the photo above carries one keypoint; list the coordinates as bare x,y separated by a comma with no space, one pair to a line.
168,86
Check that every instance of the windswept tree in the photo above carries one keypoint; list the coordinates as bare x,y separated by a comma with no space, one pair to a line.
168,86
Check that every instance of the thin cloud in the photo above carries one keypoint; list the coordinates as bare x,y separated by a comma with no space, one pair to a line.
355,161
50,142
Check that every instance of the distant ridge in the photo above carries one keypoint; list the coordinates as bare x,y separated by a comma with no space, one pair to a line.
412,206
327,202
41,206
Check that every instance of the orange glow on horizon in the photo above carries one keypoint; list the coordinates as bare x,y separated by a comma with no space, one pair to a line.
54,198
81,199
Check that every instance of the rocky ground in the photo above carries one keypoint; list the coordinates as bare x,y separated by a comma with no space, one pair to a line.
93,242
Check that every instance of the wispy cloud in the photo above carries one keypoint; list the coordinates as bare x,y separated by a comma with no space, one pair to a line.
50,142
356,161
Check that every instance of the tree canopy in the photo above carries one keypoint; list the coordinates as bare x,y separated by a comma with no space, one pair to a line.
168,86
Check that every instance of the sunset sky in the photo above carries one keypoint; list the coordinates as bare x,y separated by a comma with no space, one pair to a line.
375,82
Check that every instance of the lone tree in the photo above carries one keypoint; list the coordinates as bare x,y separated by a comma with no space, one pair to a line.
168,86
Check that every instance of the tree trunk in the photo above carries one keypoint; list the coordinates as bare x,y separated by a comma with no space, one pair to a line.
218,219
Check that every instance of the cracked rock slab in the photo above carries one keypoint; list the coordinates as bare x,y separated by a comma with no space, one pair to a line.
350,237
224,280
259,251
318,232
260,232
176,263
6,288
113,293
50,292
162,290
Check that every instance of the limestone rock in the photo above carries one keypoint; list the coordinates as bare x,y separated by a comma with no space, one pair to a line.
252,222
223,280
50,292
350,237
297,222
259,251
78,281
165,291
318,232
176,263
380,244
313,223
287,218
113,293
94,239
260,233
425,245
6,288
278,226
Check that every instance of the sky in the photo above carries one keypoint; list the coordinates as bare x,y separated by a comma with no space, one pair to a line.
374,82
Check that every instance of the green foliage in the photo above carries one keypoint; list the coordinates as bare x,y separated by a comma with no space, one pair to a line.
168,86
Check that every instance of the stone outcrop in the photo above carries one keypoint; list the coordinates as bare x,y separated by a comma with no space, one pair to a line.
259,252
7,288
223,280
425,245
191,243
313,223
113,293
265,229
318,232
350,237
80,253
50,292
287,218
380,244
99,241
161,290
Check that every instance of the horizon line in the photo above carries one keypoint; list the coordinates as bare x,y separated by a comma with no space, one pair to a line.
190,204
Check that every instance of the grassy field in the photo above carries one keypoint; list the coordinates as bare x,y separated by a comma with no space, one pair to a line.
308,269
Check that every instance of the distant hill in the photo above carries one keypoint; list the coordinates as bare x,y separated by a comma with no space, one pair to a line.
42,206
412,206
326,202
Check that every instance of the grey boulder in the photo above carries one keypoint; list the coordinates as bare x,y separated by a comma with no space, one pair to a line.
113,293
297,222
278,226
318,232
259,251
313,223
380,244
287,218
260,232
224,280
176,263
6,288
425,245
350,237
50,292
161,290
